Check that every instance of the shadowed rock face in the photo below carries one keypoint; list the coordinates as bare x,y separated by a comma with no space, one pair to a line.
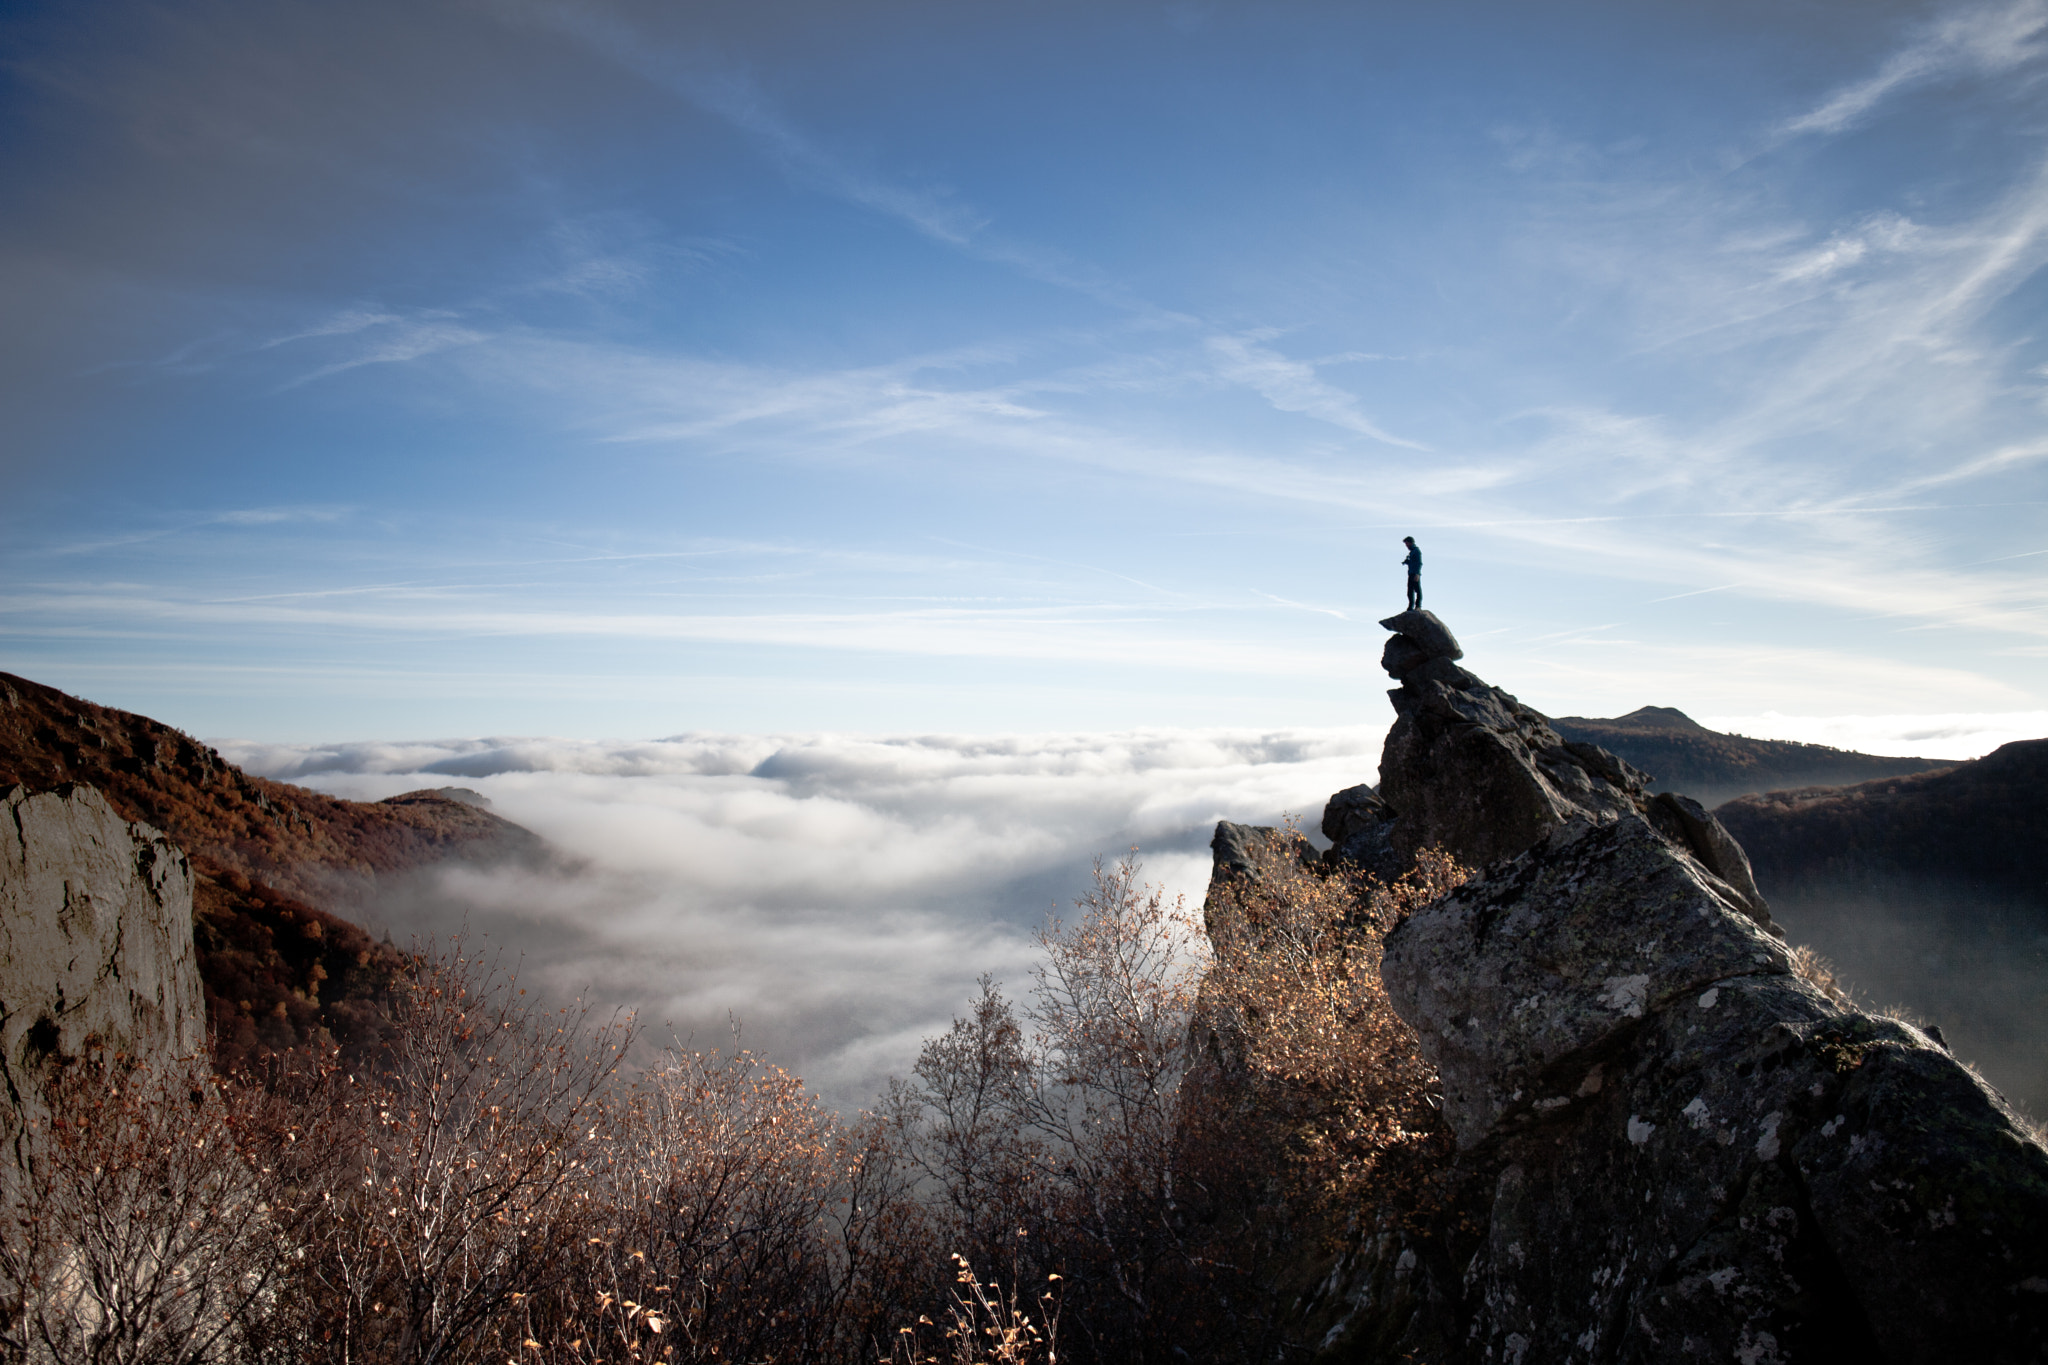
95,945
1670,1147
1684,1152
1469,769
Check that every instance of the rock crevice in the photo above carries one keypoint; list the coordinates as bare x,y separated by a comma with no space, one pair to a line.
95,945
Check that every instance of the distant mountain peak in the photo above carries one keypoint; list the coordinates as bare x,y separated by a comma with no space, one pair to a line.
1660,718
1713,767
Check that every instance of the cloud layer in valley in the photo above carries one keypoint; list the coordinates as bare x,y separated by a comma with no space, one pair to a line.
837,895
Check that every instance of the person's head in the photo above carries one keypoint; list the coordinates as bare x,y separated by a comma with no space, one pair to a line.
1409,541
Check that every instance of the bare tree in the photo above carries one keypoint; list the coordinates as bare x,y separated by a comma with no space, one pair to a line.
152,1224
469,1151
1050,1135
964,1120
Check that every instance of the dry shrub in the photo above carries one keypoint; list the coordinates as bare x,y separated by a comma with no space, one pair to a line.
734,1219
468,1152
1302,1026
1111,1009
488,1189
1819,973
1049,1137
984,1325
151,1218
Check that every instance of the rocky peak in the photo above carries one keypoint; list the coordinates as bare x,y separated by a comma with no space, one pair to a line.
1660,718
1468,768
1671,1145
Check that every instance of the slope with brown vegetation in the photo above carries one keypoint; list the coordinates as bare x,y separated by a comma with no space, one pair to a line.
1072,1178
1977,823
272,863
305,844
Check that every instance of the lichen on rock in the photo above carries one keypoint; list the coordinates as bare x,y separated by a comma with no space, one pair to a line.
1669,1145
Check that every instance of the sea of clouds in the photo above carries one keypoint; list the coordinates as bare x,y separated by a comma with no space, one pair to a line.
836,895
839,895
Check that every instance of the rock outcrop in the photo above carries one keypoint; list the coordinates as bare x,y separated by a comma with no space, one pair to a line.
95,945
1469,769
1670,1146
279,871
306,845
1683,1151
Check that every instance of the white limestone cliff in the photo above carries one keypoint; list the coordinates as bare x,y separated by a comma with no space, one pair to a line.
95,945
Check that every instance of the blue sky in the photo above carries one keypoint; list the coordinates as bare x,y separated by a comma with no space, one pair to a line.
591,369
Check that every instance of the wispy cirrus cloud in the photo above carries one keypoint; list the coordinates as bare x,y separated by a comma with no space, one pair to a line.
386,339
1985,40
1295,386
731,94
1081,632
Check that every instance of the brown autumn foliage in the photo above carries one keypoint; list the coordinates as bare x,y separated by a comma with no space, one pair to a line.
307,845
278,971
280,975
984,1323
1061,1178
1302,1030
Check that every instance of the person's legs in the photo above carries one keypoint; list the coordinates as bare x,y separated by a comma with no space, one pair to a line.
1414,592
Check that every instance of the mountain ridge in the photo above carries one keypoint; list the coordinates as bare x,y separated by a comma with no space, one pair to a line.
279,872
1713,766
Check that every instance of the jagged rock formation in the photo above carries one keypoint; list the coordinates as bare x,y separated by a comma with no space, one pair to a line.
1670,1146
1469,769
278,870
1684,755
1257,853
95,945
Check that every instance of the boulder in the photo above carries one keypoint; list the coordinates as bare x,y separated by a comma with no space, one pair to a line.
1426,633
1675,1149
1358,825
1686,820
1469,769
1519,980
95,945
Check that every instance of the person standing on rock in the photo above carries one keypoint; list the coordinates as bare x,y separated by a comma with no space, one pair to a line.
1414,563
